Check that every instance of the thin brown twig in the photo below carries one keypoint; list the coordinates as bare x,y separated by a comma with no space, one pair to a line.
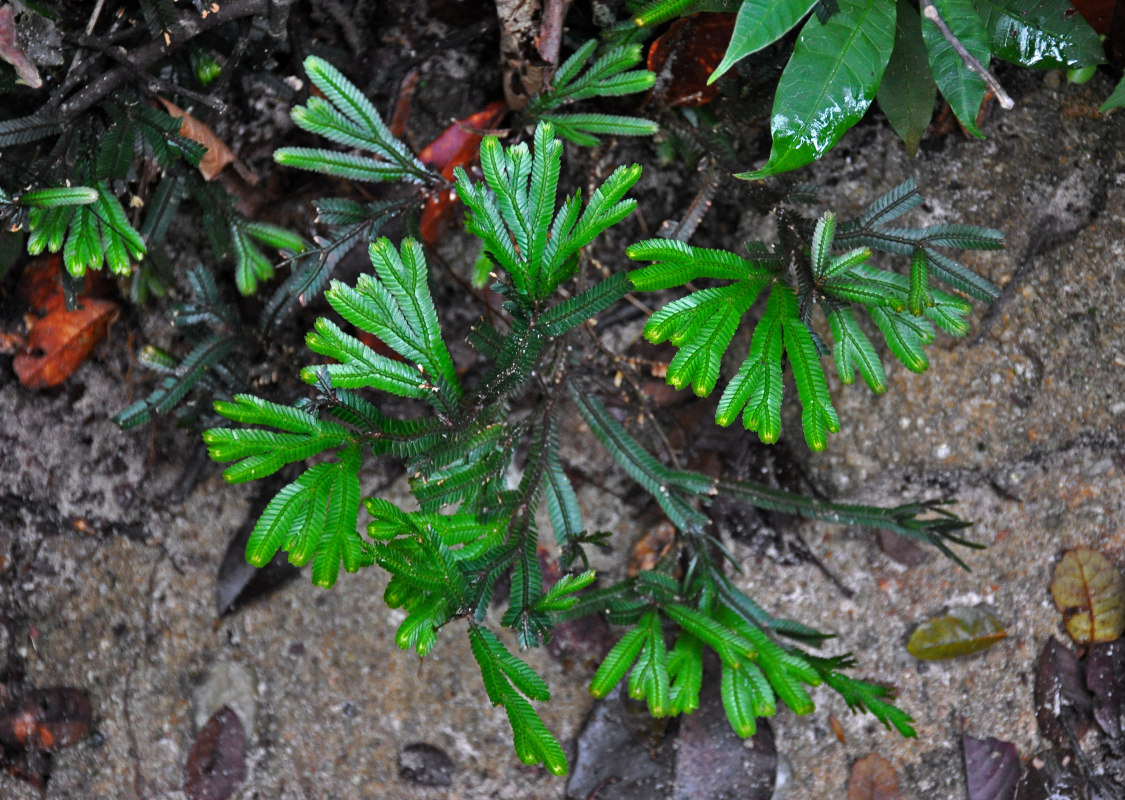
151,82
186,28
930,12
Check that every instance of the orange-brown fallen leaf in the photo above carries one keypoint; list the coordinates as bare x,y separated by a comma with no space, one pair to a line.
653,545
1090,593
59,342
457,146
46,719
684,57
218,153
873,778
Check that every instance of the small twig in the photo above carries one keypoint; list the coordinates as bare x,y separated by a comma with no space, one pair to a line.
182,31
94,17
551,29
930,12
150,82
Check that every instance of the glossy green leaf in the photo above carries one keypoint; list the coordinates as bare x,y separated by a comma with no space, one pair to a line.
829,82
907,92
962,87
1116,98
960,632
760,23
1047,34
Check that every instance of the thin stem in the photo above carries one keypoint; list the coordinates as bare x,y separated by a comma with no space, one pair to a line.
930,12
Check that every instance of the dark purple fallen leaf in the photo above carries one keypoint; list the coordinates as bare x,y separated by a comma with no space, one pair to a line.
622,753
1105,678
901,549
873,778
712,761
238,581
425,764
992,768
1063,707
46,719
217,760
1052,775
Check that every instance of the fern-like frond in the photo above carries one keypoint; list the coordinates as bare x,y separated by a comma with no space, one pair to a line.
262,452
508,681
516,219
610,75
315,518
346,117
655,478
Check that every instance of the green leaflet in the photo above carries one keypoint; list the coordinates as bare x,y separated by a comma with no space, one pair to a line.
347,117
610,75
863,696
1116,98
962,87
263,452
517,222
760,23
907,92
685,671
59,196
1046,34
315,518
851,348
829,82
507,680
758,385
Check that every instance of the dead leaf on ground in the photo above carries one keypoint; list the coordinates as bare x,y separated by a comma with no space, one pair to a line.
713,761
217,760
653,545
1062,705
59,342
457,146
1052,775
1090,593
1105,678
684,57
11,51
40,284
873,778
46,719
238,581
218,153
959,632
992,768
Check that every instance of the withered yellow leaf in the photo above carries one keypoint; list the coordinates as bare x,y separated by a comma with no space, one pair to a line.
1090,593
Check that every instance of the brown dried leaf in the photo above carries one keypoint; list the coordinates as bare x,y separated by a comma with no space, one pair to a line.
651,547
1062,705
59,342
873,778
46,719
457,146
1105,678
684,57
11,51
217,760
218,154
1090,593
